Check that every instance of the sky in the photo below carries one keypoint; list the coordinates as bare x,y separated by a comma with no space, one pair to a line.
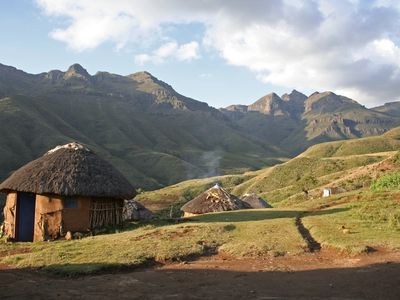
219,51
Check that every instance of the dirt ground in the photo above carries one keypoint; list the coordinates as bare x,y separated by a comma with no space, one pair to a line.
321,275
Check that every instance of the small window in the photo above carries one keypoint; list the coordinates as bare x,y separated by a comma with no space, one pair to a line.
70,202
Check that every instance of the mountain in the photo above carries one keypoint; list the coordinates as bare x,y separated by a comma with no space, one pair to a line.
391,108
295,102
151,133
270,104
294,121
156,136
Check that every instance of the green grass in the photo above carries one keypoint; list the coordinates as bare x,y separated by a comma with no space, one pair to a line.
353,147
276,184
284,183
387,182
239,233
373,220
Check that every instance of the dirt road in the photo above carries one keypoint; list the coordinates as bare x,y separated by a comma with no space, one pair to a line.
309,276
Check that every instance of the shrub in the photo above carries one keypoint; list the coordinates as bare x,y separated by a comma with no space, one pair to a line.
387,182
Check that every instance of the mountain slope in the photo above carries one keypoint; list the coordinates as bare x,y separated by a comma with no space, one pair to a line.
154,135
391,108
349,164
158,137
294,121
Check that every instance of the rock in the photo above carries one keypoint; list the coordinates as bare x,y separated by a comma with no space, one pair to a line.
368,249
68,236
78,235
135,211
346,231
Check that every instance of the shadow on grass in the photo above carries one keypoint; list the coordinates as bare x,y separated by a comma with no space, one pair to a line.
259,215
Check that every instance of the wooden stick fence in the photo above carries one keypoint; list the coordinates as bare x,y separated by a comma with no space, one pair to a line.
105,213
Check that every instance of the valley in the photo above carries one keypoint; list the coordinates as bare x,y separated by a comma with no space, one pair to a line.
200,150
157,137
303,237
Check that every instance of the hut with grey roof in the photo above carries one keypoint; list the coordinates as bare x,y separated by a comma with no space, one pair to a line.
254,201
214,199
69,188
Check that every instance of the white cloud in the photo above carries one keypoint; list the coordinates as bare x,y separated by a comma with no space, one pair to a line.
346,45
184,52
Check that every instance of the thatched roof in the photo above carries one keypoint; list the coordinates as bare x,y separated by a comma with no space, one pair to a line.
70,170
213,200
135,211
254,201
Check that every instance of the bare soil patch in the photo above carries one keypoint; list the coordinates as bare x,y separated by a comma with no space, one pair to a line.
325,274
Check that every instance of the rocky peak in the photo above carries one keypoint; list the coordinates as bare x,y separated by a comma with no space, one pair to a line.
294,102
54,75
294,96
236,108
270,104
76,70
329,102
142,77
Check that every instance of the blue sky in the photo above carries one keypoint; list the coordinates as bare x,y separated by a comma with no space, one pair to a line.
27,46
218,51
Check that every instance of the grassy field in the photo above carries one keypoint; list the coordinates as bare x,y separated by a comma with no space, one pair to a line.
239,233
358,220
371,220
364,220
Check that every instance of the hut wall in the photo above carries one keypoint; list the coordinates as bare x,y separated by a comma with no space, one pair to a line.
77,219
48,217
10,213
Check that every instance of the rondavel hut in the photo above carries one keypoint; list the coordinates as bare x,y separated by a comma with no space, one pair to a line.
254,201
69,188
213,200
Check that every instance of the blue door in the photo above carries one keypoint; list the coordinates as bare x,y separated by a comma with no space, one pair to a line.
25,216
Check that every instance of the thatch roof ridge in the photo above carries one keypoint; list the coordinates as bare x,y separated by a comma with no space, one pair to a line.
70,170
213,200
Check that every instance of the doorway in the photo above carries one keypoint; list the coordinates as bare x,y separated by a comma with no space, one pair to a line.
25,217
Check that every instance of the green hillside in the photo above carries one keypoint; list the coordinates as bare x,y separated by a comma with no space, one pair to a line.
157,137
349,164
389,141
153,135
357,221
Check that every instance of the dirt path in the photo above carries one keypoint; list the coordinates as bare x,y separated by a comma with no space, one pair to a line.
324,274
319,273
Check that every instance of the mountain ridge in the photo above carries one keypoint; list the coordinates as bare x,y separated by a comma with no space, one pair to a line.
156,136
151,133
302,121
